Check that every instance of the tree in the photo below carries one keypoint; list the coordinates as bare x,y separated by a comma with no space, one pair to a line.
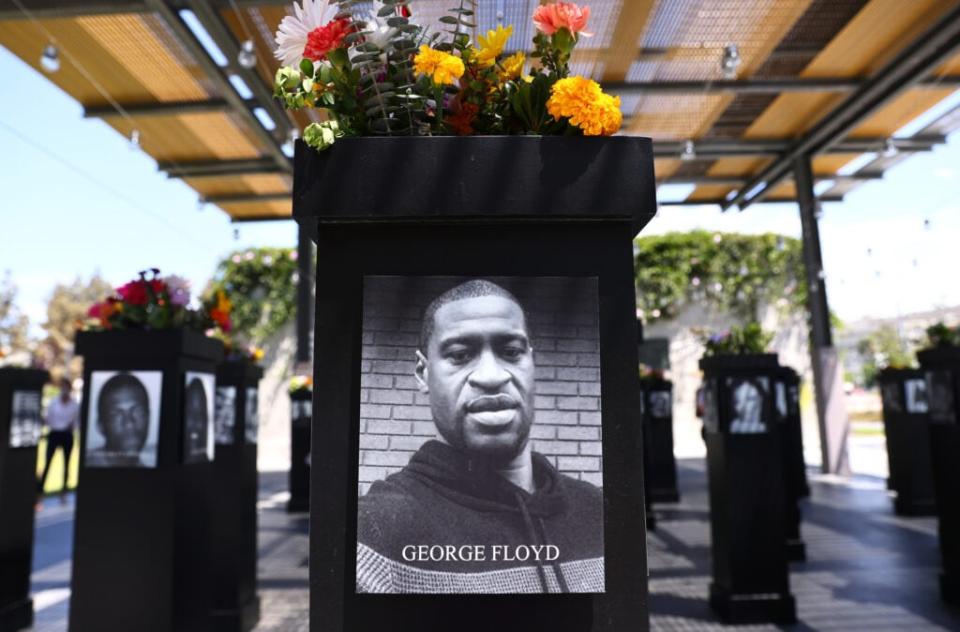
883,348
66,310
13,323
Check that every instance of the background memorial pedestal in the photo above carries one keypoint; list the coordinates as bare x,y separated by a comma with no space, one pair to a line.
942,367
747,500
787,404
908,443
299,479
18,495
235,606
140,535
661,468
473,207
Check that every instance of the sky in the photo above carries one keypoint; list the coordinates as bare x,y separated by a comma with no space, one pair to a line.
77,199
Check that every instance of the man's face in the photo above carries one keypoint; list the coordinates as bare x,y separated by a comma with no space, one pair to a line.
479,373
126,419
197,415
747,402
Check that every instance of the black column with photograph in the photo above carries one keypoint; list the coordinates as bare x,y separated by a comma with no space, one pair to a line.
475,208
745,469
234,603
658,436
301,411
906,424
786,403
140,537
20,401
942,369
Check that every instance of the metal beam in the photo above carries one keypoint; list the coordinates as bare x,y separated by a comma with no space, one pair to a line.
245,198
721,202
740,180
714,148
246,219
49,9
209,168
170,108
918,59
186,38
756,86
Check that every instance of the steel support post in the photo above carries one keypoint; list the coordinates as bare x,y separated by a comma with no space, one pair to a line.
827,371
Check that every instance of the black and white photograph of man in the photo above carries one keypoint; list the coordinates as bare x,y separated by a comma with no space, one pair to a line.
941,396
123,419
25,419
251,417
747,397
916,396
891,397
198,445
476,506
660,403
225,412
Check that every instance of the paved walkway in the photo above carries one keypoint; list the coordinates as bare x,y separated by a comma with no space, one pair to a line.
867,569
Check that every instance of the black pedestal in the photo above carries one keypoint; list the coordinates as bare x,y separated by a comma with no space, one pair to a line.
906,426
301,412
475,207
235,606
140,556
786,407
20,401
747,491
661,467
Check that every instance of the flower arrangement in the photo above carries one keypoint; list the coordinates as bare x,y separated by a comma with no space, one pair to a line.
300,383
159,302
940,335
750,338
382,74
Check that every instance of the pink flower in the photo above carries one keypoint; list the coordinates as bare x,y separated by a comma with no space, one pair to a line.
562,15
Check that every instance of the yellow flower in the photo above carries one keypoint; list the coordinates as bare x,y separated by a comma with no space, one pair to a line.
223,303
442,67
585,104
492,45
512,66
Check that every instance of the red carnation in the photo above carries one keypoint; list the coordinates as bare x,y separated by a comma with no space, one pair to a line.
323,39
134,292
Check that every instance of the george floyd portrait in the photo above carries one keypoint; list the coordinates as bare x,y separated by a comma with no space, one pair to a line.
225,414
25,419
480,466
198,430
123,419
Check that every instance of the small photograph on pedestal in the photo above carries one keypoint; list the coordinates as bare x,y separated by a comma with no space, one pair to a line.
891,397
916,391
225,412
660,403
942,403
707,403
25,419
252,418
481,457
781,399
123,419
198,431
748,398
300,411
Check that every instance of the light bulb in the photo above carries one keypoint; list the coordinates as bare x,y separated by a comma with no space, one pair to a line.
247,57
730,62
135,139
236,234
689,151
890,148
50,59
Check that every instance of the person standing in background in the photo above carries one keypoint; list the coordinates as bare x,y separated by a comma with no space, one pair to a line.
63,414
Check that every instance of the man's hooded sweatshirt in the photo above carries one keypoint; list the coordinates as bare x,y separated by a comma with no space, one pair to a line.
442,498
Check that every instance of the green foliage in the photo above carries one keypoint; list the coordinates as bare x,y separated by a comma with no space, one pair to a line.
750,338
881,349
13,323
939,335
735,273
66,310
262,285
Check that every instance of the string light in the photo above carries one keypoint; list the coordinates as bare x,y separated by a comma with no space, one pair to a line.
689,151
730,62
890,148
50,58
247,56
236,234
135,139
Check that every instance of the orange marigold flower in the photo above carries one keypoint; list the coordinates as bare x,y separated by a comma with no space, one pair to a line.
443,68
586,106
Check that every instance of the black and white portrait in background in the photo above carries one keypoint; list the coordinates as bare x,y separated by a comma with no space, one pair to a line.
198,431
225,412
780,389
916,391
123,418
660,403
301,410
480,436
252,419
708,393
890,396
25,419
747,396
940,385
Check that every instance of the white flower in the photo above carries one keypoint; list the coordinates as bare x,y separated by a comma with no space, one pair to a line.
293,30
379,32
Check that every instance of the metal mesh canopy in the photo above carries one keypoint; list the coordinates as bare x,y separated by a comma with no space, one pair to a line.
843,80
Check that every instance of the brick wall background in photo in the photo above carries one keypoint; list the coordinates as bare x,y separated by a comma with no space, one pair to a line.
395,417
